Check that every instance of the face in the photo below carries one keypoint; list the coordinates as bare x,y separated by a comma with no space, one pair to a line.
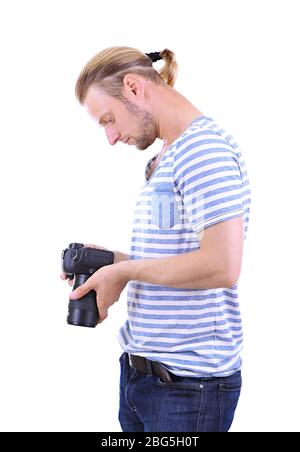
122,120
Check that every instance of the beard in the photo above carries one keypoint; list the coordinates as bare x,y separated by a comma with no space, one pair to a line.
146,126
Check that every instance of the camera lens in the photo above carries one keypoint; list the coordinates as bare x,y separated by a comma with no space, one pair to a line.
83,312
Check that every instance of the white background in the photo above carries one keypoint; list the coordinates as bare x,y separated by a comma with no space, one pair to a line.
62,182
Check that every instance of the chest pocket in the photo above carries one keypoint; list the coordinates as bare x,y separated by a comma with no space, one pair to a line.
165,213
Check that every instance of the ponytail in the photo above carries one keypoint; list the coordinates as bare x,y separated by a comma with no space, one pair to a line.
170,69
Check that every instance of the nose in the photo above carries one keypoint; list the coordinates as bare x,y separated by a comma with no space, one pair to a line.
112,135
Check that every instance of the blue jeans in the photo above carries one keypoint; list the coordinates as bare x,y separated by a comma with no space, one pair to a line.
147,404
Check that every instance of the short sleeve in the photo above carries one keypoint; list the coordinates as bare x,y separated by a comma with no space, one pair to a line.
208,179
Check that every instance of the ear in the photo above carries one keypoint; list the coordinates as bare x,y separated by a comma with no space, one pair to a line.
133,86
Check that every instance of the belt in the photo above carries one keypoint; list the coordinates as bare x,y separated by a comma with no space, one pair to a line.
148,367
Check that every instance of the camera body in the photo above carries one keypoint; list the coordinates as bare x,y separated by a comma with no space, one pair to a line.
80,262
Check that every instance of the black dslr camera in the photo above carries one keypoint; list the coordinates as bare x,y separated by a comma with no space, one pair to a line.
80,263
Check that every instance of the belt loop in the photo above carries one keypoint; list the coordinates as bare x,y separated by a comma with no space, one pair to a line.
149,367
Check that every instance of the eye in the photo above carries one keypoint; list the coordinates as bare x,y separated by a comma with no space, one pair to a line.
108,120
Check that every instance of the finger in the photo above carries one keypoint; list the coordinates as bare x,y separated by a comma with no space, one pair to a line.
80,291
64,276
103,313
91,245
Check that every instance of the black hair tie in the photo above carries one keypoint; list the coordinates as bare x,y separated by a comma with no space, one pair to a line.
154,56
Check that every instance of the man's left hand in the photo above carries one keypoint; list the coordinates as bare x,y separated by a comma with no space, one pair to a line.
108,282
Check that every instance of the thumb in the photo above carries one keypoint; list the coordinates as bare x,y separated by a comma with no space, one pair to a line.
80,291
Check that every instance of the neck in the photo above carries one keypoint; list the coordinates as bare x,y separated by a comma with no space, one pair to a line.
173,113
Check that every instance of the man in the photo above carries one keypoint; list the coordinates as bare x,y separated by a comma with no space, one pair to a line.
181,366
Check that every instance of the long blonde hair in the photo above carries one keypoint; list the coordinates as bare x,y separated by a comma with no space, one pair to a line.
108,68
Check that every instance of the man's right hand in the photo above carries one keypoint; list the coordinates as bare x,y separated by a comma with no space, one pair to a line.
119,257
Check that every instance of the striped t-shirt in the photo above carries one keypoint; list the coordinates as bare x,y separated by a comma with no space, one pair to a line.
200,180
